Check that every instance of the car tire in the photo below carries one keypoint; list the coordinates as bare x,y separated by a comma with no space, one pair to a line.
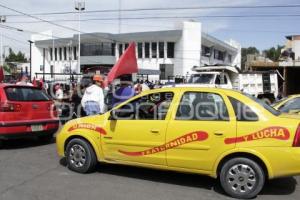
242,178
80,156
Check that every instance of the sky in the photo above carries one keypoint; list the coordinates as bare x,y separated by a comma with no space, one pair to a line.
260,32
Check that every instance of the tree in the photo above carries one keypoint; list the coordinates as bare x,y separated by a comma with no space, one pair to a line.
13,57
248,51
273,53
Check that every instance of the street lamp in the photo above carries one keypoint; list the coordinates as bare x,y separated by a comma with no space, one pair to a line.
2,20
79,6
30,65
70,59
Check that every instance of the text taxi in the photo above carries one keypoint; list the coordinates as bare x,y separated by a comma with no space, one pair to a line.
221,133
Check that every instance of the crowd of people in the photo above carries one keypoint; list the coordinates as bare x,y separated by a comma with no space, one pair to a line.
76,100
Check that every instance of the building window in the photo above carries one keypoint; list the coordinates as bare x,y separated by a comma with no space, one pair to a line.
65,53
205,51
229,58
70,53
154,49
120,49
55,53
219,55
170,49
161,50
51,54
216,54
140,50
51,71
147,50
100,49
113,49
126,46
60,53
75,53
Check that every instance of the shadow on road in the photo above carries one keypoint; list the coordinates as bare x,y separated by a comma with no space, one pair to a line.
23,143
282,186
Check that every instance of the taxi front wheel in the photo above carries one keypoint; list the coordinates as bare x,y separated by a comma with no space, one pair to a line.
80,156
242,178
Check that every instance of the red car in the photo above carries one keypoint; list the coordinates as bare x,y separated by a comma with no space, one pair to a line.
26,111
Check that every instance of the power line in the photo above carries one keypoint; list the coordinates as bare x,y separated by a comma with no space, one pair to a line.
16,40
47,21
28,31
169,8
164,17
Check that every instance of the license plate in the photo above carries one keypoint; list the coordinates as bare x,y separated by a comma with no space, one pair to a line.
35,128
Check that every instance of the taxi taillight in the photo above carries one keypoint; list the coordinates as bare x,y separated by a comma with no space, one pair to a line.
296,142
10,107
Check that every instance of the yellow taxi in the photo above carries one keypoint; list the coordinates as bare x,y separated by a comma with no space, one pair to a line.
216,132
291,104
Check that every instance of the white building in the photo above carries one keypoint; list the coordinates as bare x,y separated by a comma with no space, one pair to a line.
161,54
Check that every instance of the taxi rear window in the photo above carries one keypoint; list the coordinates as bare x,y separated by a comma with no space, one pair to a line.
26,94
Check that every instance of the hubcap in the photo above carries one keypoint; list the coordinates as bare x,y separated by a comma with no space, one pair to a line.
77,155
241,178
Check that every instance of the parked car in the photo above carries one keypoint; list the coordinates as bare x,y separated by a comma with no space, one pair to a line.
290,104
26,111
217,132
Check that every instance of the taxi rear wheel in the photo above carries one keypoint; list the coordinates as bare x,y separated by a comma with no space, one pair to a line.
242,178
80,156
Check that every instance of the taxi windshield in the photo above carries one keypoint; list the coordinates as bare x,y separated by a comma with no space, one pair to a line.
202,78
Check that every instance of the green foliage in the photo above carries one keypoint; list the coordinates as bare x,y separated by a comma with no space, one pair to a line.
273,53
6,68
13,57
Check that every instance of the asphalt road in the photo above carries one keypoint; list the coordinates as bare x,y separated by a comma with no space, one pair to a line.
30,170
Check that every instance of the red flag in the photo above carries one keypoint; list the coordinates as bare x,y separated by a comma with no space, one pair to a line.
127,64
41,83
34,83
1,74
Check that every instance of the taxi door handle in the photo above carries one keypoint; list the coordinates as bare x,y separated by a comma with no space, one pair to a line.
218,133
154,131
107,137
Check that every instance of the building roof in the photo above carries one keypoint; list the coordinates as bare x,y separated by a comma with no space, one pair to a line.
164,35
221,43
292,37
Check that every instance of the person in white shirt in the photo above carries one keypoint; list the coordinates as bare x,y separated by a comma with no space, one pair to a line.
59,94
93,98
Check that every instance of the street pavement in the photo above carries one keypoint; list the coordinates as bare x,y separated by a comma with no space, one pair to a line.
30,170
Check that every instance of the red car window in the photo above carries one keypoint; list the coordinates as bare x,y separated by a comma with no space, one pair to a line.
26,94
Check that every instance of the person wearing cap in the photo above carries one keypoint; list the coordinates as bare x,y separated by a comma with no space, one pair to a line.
93,98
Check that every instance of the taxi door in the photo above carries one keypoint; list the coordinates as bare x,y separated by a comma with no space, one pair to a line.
137,137
197,130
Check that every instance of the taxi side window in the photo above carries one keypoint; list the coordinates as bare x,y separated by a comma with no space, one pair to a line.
149,107
202,106
242,111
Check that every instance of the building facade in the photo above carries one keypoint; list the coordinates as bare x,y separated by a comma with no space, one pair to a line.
161,54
